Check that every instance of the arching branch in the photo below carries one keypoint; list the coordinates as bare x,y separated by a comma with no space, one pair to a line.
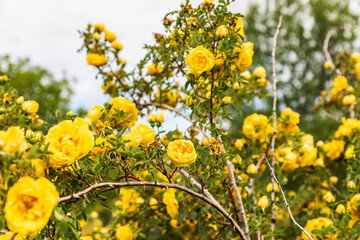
113,185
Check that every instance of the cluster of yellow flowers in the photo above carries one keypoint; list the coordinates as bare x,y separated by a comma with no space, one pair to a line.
156,119
318,224
167,96
260,74
292,157
288,123
154,69
126,106
348,127
256,127
97,57
245,53
13,140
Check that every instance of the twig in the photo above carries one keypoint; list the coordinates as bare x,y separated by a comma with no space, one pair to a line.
238,196
273,209
285,201
232,201
205,191
327,55
333,117
114,185
13,236
221,230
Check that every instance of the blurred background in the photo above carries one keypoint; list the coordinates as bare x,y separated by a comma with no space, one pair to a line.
39,43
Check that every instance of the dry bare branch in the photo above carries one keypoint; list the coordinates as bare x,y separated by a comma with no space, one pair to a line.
285,201
273,209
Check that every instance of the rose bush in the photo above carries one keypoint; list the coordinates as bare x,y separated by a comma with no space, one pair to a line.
103,175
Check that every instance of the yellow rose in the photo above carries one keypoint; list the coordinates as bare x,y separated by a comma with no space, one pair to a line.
13,140
350,153
95,113
152,118
20,100
117,45
226,100
349,99
239,143
29,205
239,28
334,149
251,169
339,84
69,141
329,197
221,31
259,72
292,117
97,36
31,107
246,75
141,135
124,233
154,69
181,152
263,82
200,60
246,53
160,117
96,59
263,202
256,127
110,36
8,235
128,107
99,26
340,209
328,65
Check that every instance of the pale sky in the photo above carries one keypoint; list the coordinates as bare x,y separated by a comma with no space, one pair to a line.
46,32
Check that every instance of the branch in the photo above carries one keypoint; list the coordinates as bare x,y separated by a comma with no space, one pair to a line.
285,201
238,196
273,209
113,185
207,194
330,33
13,236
